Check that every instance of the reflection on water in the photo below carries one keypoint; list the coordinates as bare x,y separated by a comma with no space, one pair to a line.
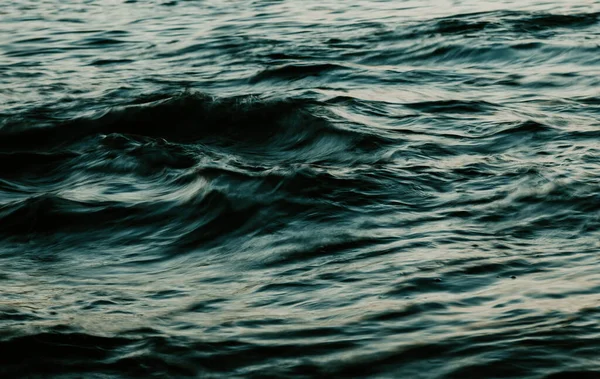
268,188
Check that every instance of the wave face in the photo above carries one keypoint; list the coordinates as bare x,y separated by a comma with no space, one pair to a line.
402,189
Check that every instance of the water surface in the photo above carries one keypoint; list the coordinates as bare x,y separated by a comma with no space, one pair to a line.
391,189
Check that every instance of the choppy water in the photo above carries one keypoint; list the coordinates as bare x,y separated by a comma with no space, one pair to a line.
292,188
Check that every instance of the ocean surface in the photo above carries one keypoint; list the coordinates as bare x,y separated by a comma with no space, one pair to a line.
269,189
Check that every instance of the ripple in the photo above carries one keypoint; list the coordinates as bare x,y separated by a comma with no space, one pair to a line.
387,189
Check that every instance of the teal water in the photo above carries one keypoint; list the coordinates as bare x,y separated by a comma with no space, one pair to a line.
389,189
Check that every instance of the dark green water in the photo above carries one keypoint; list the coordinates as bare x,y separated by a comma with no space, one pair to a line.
388,189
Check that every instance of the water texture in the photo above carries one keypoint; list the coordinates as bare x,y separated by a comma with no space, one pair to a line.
254,189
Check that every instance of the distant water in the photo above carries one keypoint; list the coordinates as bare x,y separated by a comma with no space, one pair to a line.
255,189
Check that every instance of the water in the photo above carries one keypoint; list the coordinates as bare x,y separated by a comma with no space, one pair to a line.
391,189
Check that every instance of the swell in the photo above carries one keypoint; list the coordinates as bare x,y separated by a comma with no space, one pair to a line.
203,206
471,39
208,218
57,352
510,21
148,352
189,169
60,352
295,71
489,53
239,122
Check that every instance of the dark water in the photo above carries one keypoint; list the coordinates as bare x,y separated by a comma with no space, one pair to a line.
391,189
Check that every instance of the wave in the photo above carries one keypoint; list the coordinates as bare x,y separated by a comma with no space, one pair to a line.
544,21
509,21
452,106
246,123
149,353
295,71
